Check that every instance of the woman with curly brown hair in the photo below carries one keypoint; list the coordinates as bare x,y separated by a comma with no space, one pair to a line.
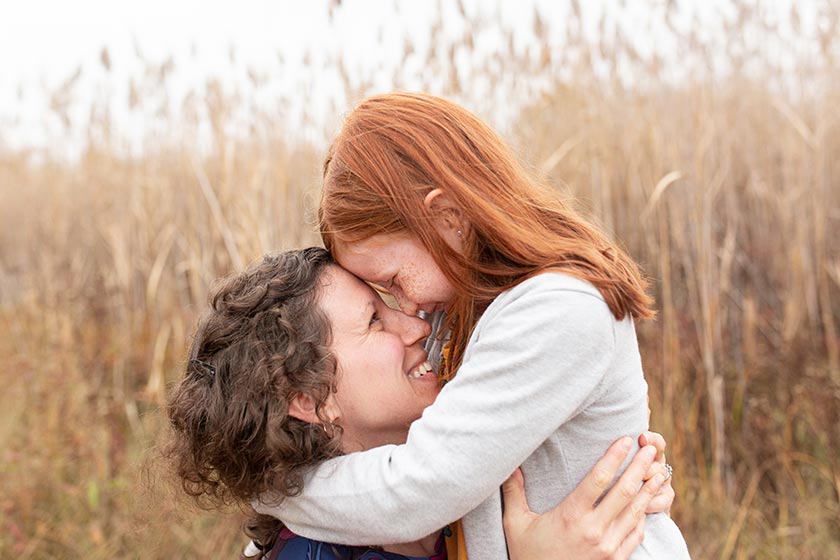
262,398
297,361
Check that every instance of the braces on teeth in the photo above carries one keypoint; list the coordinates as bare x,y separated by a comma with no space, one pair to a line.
434,344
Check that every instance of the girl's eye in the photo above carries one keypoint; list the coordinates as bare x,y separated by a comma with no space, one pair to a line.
374,319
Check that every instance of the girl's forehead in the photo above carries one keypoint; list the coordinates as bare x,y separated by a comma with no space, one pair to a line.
370,245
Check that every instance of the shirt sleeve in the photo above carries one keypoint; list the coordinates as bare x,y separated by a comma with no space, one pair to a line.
536,360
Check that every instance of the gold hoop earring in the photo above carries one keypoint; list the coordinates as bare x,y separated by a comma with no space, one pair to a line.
331,432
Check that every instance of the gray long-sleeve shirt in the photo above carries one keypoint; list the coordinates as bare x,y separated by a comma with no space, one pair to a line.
549,380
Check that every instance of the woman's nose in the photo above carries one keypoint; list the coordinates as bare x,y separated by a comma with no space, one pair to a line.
414,329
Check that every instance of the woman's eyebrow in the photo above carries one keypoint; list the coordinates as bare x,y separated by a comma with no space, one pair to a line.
367,311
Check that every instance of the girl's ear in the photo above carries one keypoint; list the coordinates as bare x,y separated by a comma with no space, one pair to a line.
438,202
449,218
432,199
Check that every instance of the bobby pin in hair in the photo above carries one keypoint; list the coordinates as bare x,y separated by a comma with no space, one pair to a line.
203,368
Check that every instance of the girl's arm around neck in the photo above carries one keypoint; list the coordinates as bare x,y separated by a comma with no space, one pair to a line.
537,358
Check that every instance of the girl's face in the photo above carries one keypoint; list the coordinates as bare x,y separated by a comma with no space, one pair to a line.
382,384
401,265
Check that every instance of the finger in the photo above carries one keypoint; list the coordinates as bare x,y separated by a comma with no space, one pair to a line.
635,511
596,482
517,510
632,541
657,440
663,500
655,469
627,487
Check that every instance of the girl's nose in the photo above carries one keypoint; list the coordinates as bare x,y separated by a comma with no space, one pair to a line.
406,305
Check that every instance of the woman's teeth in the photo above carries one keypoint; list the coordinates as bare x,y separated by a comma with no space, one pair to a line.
421,370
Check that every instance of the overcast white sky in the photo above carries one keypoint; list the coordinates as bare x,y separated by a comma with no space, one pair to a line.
43,42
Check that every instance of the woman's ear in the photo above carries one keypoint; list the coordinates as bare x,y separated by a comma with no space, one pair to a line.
448,217
302,407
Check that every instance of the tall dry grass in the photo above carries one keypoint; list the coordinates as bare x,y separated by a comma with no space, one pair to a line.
724,185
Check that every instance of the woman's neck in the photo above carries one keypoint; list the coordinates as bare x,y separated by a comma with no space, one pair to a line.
420,548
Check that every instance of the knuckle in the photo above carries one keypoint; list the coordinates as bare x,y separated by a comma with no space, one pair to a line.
601,477
593,535
626,491
569,518
651,489
606,550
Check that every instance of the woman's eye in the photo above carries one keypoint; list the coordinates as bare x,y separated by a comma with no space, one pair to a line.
374,319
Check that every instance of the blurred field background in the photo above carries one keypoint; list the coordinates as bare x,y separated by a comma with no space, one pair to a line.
715,159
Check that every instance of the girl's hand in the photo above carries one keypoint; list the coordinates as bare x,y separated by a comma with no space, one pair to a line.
664,499
577,528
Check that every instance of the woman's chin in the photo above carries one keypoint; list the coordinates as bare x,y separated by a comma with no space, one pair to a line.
426,387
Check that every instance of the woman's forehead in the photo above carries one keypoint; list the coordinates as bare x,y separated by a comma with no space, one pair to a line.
341,283
346,300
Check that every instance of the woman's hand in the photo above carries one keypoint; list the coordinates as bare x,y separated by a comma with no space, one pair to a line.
577,528
664,499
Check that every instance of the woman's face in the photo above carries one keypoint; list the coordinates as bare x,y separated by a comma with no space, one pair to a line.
382,385
400,264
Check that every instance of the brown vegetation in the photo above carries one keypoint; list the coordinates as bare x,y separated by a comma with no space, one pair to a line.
725,186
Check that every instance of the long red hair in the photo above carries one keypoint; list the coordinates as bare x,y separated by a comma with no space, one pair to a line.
394,149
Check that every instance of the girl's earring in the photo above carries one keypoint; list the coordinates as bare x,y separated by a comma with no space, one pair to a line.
459,234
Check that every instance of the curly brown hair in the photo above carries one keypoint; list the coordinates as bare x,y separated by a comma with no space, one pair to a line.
263,341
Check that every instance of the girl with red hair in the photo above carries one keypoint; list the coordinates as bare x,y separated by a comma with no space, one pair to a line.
422,199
